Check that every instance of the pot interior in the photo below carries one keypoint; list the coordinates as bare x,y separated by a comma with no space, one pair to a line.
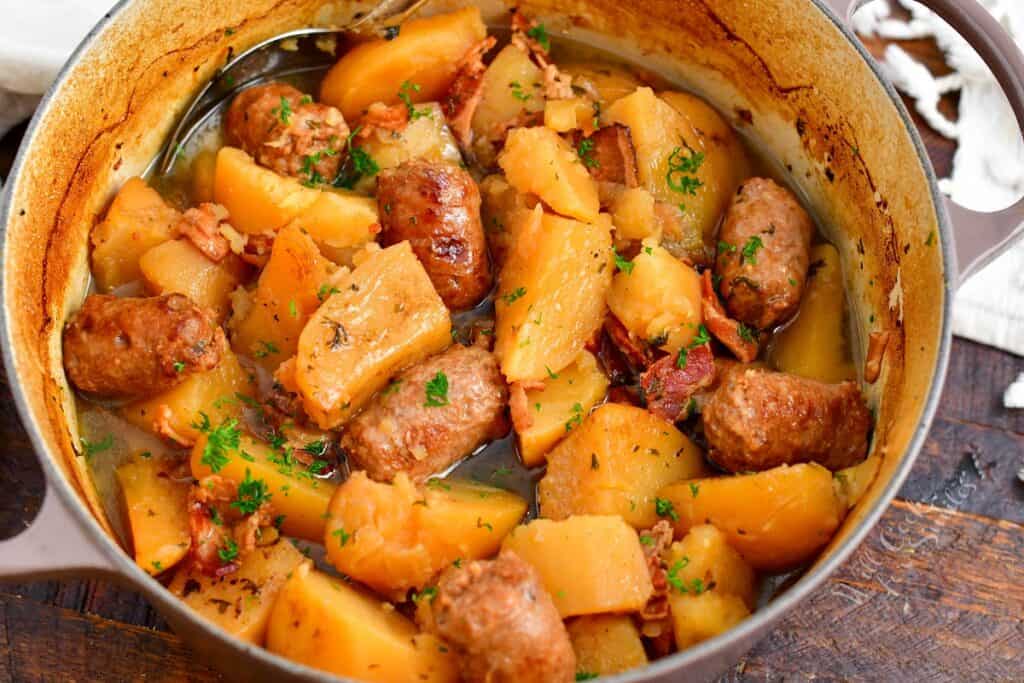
780,71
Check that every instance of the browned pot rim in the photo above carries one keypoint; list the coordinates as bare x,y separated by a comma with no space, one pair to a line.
122,569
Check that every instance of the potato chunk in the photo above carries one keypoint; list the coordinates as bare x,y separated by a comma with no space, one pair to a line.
538,161
261,201
704,560
696,618
157,511
606,644
776,519
425,52
608,81
551,295
240,602
633,216
814,345
289,291
138,219
294,491
589,564
658,299
512,86
615,463
331,625
212,392
504,212
555,409
385,317
176,266
853,482
394,537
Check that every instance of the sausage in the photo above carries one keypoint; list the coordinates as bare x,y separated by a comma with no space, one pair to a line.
764,252
502,623
287,132
758,419
405,430
437,208
120,348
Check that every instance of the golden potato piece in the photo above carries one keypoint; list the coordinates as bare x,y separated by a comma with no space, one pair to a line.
776,519
615,463
504,212
608,81
538,161
512,86
589,564
331,625
240,602
606,644
633,216
704,560
696,618
157,512
551,295
425,52
853,482
393,537
176,266
385,317
554,410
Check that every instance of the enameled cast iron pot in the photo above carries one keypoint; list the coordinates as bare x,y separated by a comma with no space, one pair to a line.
788,73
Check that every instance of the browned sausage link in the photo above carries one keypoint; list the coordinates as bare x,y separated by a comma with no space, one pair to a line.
405,430
287,132
759,419
118,347
502,623
437,208
764,248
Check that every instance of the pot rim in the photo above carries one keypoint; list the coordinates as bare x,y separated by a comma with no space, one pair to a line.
747,633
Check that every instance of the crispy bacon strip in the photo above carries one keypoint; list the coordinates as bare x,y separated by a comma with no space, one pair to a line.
162,425
519,408
656,620
557,86
465,92
668,389
878,341
201,226
257,250
725,329
610,155
208,537
383,117
637,353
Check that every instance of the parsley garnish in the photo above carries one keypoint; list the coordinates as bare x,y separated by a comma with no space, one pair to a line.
429,594
179,367
91,449
747,334
157,565
585,150
749,253
481,524
342,536
284,112
694,489
229,552
219,441
309,163
403,94
252,494
703,337
316,448
293,310
359,164
514,296
646,540
266,348
438,484
551,375
682,169
540,34
672,575
325,291
517,91
586,675
931,239
725,247
664,508
437,391
577,417
622,264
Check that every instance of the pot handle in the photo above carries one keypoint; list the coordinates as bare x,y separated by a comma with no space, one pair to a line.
53,546
978,237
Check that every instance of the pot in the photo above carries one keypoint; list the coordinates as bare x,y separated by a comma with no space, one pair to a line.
789,73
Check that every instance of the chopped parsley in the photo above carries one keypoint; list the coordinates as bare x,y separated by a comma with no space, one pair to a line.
517,91
540,34
266,348
438,484
481,524
725,247
646,540
429,594
682,169
437,391
586,675
622,264
309,164
219,441
252,494
90,449
514,296
551,375
931,239
664,508
403,94
703,337
284,112
306,99
747,334
316,448
694,489
179,367
157,565
229,553
672,575
576,419
585,150
360,164
325,291
792,282
293,310
342,536
749,253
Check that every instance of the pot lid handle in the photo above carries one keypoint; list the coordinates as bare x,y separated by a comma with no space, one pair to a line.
978,236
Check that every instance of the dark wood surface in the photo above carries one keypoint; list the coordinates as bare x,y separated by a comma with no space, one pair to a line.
935,593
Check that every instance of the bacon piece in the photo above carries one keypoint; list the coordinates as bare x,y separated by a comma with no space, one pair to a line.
627,396
725,329
519,408
655,617
609,155
162,425
668,388
557,86
464,94
257,250
637,353
383,117
878,341
201,226
208,537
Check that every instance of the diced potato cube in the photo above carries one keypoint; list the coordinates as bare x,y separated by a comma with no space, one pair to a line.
331,625
658,299
138,219
615,463
704,560
386,317
551,295
512,86
289,291
609,81
607,571
538,161
504,212
696,618
570,114
177,266
393,537
815,344
212,392
204,165
556,408
340,222
294,491
240,602
157,511
853,482
633,216
425,52
776,519
606,644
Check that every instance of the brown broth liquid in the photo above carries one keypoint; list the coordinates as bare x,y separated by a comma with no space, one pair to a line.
496,463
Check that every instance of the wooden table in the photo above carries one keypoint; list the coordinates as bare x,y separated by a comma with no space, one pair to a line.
936,592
